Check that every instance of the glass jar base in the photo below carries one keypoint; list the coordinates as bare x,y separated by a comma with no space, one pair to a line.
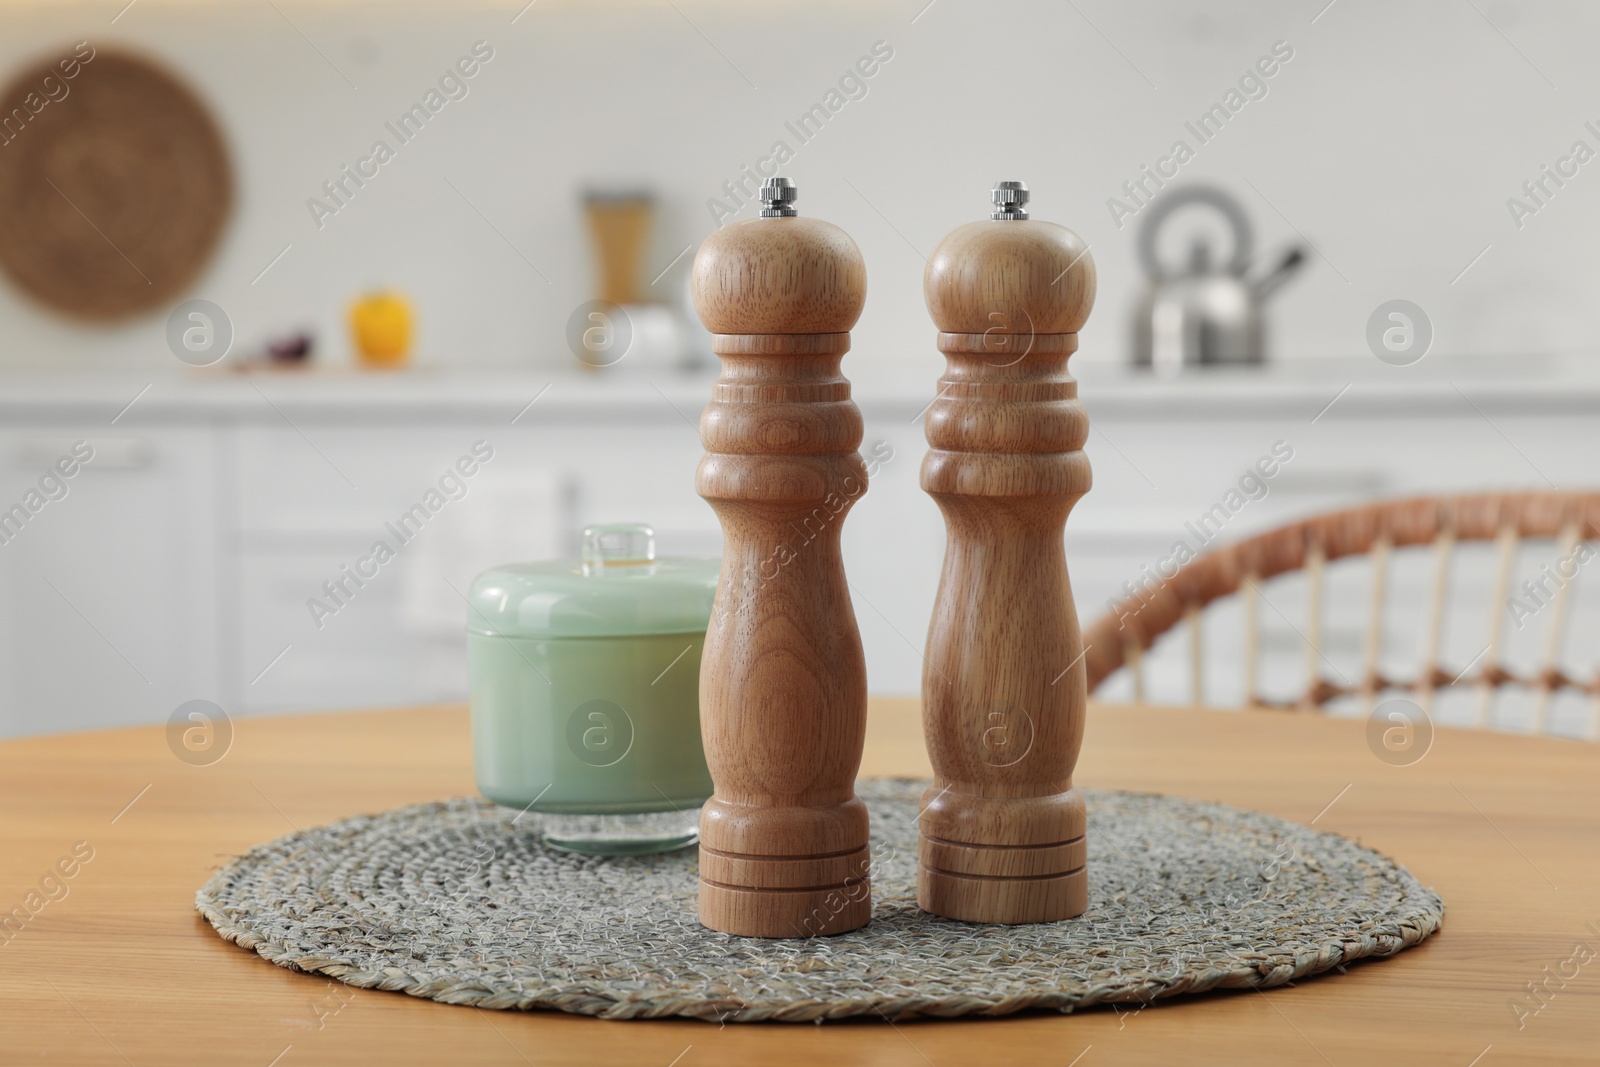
621,835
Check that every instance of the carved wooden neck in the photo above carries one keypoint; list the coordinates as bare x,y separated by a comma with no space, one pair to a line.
1005,395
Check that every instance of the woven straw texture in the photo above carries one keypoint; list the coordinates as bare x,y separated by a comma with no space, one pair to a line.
111,205
458,901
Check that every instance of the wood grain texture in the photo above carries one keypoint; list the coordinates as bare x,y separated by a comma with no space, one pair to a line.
123,967
1002,833
783,684
779,276
1027,278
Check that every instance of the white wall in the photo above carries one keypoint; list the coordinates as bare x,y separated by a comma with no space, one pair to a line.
1392,140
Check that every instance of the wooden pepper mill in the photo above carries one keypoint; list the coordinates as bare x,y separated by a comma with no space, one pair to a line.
1003,686
783,689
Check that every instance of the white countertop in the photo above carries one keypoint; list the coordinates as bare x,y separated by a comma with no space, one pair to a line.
1363,387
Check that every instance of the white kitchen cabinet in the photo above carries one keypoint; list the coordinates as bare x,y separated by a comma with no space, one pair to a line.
314,497
110,610
183,569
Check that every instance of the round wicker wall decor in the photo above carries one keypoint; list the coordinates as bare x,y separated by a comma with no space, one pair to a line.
115,183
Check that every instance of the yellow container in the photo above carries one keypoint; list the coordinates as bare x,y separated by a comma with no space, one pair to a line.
381,329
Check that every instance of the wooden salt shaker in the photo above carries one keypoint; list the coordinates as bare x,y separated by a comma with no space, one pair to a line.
1003,686
783,690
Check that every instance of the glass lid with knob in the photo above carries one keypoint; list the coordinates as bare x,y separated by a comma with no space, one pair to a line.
618,587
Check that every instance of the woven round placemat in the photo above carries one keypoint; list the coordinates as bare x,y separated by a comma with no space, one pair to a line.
459,901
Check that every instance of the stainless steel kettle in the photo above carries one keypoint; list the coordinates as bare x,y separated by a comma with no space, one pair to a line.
1207,313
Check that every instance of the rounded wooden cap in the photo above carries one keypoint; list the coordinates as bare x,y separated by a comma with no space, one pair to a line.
1013,276
779,275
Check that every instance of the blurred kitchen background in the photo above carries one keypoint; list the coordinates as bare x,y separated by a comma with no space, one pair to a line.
589,151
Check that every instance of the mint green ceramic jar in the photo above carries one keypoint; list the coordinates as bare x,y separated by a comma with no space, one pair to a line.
585,692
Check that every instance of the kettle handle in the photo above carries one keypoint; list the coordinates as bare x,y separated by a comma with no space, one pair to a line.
1210,195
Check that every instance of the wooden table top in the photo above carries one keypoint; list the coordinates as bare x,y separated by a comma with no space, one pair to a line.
118,968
